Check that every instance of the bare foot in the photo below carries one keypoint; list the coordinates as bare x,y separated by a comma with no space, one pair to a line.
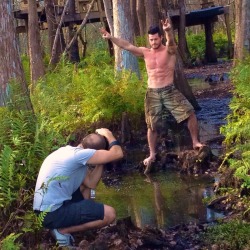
148,162
198,146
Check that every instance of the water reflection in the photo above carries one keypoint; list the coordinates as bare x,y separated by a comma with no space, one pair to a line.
162,200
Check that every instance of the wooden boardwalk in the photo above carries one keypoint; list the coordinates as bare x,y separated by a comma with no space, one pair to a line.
97,14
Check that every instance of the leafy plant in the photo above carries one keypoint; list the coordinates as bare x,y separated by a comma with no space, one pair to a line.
196,45
8,192
233,235
72,99
221,43
9,242
237,132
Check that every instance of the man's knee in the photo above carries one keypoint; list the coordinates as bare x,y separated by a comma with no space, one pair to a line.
109,214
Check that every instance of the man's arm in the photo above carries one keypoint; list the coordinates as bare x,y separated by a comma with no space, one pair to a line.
106,156
166,26
137,51
93,177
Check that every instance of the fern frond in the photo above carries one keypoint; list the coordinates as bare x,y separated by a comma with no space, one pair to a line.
7,164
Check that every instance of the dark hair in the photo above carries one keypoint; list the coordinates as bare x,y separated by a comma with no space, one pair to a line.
154,30
95,141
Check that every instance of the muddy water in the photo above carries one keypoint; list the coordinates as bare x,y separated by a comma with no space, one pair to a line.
162,200
167,199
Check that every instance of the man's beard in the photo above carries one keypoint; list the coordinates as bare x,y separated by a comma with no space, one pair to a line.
156,46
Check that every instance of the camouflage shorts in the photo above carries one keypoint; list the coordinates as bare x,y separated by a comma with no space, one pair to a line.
167,99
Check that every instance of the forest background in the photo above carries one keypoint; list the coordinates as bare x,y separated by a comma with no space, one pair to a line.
55,89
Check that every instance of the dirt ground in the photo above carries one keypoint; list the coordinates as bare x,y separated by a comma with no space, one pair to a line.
214,74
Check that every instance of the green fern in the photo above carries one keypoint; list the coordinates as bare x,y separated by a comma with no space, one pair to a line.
7,169
9,242
237,129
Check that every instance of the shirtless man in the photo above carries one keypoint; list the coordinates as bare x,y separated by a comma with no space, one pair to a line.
161,94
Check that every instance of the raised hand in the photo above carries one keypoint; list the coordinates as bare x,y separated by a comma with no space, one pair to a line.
105,33
166,25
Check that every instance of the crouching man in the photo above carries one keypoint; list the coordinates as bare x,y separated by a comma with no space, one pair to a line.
64,183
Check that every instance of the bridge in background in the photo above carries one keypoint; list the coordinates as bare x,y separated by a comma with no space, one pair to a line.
208,13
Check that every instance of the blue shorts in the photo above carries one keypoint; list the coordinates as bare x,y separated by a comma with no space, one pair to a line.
75,212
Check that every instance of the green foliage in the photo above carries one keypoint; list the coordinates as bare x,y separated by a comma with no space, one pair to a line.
237,132
71,99
8,191
141,41
196,45
221,43
9,242
26,65
41,217
24,143
232,235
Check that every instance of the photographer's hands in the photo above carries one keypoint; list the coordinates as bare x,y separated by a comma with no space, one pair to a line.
106,133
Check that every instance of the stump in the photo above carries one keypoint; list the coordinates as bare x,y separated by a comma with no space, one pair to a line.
187,161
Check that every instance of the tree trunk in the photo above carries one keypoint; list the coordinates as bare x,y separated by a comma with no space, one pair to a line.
11,66
242,33
36,61
229,35
134,18
152,13
58,33
123,28
210,53
182,84
182,42
52,27
73,53
140,9
108,13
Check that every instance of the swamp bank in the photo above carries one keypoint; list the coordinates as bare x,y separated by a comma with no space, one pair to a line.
131,232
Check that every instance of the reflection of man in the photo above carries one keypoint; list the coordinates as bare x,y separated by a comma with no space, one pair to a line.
161,94
159,201
64,183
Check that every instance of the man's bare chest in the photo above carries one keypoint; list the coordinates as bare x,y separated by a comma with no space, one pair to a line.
159,60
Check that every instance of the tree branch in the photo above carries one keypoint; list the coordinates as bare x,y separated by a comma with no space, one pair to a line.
53,52
80,28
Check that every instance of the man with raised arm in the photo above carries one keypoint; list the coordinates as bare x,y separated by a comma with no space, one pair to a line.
62,192
161,93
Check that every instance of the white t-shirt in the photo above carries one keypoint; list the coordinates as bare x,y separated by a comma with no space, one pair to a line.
61,174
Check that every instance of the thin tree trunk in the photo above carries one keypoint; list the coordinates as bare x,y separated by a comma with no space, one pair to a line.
108,13
53,53
182,84
73,53
140,9
52,27
152,14
210,53
35,51
182,42
134,17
